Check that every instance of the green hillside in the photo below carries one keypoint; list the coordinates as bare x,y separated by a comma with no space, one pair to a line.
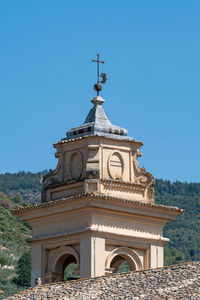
184,233
13,235
25,183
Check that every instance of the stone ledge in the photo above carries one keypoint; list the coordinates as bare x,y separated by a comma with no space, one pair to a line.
100,196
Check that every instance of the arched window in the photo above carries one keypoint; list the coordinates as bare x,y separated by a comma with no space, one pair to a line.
64,264
122,263
123,259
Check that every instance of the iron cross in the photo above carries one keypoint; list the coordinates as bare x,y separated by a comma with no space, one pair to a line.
98,61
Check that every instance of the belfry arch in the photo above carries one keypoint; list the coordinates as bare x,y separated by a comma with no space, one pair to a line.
60,259
121,254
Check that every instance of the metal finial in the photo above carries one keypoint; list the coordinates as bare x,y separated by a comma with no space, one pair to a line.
98,86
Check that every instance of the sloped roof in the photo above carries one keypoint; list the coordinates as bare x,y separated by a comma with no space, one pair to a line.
174,282
97,123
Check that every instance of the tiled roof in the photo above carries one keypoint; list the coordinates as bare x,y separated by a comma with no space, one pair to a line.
99,196
173,282
97,123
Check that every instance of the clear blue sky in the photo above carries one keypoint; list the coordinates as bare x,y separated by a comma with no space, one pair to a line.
152,55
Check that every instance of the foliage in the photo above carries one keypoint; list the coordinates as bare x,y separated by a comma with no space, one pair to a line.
23,278
70,272
13,235
173,256
25,183
184,232
7,288
3,261
18,199
11,228
124,267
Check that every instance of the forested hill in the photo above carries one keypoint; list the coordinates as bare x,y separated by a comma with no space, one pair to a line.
184,233
25,183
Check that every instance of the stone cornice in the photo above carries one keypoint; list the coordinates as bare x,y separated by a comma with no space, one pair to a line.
63,183
101,196
162,240
97,136
114,183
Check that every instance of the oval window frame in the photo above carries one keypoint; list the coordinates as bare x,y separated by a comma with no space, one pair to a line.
70,164
109,168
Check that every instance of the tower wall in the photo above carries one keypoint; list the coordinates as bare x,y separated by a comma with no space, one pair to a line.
97,207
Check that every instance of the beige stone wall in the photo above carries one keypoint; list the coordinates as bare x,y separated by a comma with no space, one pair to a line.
101,165
98,233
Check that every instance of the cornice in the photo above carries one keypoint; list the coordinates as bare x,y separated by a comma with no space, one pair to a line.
134,203
80,231
122,183
99,136
111,182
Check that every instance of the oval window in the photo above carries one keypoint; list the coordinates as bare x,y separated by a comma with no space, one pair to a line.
116,166
76,165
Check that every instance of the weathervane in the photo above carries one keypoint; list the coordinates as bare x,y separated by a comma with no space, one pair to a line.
98,86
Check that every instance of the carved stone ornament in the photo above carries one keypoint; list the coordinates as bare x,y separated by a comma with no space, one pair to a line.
76,165
141,176
115,165
52,177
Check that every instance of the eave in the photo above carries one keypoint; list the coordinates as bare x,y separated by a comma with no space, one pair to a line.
97,200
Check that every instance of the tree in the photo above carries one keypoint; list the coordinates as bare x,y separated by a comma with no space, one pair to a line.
23,271
173,256
3,261
18,199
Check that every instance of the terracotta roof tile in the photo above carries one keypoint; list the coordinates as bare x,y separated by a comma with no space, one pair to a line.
101,196
173,282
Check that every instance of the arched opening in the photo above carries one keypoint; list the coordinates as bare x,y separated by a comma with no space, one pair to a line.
123,259
120,264
64,265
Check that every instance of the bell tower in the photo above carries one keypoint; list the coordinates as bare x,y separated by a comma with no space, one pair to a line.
97,206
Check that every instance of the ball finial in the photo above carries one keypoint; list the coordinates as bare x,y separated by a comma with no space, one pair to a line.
97,87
